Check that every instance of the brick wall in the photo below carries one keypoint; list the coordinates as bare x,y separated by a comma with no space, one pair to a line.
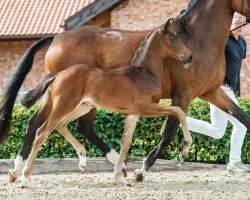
148,14
145,14
10,53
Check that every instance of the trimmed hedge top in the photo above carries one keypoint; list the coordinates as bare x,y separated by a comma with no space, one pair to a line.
109,127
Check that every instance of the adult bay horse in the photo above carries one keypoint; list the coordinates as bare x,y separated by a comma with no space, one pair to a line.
204,29
134,91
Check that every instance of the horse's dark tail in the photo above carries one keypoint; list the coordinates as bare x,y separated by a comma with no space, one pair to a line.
33,95
10,93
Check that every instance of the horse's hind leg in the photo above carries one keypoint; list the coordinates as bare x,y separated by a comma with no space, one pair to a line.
130,124
34,123
221,100
21,158
86,127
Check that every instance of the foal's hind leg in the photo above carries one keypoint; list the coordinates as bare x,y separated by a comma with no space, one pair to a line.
41,136
130,124
62,128
60,111
86,127
80,149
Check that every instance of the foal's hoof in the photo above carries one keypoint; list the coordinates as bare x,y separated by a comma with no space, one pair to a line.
182,157
11,176
23,186
82,164
24,183
124,181
82,167
139,175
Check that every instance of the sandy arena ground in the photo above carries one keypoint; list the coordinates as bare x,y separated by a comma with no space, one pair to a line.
200,184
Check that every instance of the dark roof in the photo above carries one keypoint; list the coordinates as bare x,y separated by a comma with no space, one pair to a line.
98,7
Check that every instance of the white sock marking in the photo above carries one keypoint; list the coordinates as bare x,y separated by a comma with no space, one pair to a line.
83,161
19,165
25,181
113,157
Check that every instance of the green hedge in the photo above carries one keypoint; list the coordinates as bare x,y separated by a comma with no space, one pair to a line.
109,127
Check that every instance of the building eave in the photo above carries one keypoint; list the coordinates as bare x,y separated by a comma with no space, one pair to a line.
90,12
23,37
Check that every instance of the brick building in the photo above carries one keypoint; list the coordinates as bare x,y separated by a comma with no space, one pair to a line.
23,22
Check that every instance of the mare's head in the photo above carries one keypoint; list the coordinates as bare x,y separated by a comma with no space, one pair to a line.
171,45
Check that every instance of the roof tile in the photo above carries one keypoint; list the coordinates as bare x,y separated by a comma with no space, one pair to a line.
36,17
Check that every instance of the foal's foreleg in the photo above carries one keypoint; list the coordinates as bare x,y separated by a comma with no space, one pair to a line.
161,110
129,128
187,142
172,124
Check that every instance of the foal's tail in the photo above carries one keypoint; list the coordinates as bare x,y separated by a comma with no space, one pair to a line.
32,96
10,94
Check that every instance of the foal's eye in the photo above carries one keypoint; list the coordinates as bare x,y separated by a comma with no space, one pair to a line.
172,40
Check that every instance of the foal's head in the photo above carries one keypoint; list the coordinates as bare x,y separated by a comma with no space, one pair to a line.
171,45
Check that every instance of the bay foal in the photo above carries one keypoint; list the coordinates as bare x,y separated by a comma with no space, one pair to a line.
134,91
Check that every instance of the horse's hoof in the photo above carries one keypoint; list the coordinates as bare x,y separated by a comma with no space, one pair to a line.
125,174
11,176
180,165
139,176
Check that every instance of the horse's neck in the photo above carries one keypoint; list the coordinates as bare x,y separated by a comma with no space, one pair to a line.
205,27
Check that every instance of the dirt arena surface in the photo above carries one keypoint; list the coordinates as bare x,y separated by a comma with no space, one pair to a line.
199,184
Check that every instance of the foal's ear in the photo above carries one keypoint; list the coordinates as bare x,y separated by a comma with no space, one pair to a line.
166,26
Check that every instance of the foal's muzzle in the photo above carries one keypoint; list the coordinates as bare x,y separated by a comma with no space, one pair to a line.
187,59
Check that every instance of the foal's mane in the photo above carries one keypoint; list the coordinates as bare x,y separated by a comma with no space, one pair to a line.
141,50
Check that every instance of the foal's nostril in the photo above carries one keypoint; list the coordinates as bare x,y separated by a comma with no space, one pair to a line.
187,59
190,58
